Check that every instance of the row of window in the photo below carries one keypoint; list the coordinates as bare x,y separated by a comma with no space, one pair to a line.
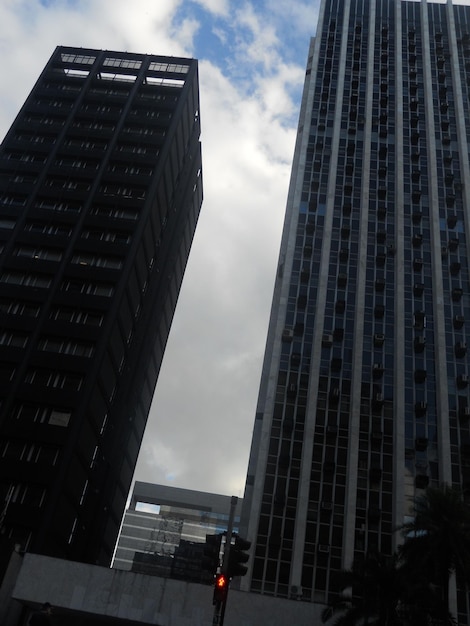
16,339
14,450
61,345
54,379
39,414
43,281
61,230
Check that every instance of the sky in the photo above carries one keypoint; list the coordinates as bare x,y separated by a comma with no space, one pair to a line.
252,56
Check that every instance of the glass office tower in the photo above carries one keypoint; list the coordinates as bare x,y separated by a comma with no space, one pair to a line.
364,396
100,192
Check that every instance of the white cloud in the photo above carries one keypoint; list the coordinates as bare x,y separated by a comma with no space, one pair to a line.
218,7
262,44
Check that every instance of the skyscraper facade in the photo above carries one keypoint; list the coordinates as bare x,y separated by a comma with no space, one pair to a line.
100,192
364,395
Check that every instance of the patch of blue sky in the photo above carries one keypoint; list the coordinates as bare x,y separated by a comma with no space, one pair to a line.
211,41
252,42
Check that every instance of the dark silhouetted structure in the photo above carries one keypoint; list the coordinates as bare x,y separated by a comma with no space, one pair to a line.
100,193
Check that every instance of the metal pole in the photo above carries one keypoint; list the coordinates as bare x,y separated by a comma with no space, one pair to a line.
219,610
233,505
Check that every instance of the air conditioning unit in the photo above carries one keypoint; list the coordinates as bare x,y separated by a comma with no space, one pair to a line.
459,321
287,334
379,339
292,390
378,370
419,343
462,380
327,340
421,408
465,412
327,506
323,548
419,319
457,293
342,280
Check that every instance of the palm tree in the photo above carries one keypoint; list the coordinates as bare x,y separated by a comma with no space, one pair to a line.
437,542
376,588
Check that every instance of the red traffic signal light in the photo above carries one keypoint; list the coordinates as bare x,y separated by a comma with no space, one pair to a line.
220,588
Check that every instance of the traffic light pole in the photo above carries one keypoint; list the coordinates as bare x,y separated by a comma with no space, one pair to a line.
228,542
219,610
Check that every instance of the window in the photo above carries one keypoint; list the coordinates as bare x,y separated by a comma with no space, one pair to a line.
123,191
77,163
45,254
32,495
13,339
60,418
128,63
169,67
28,280
70,184
84,258
48,229
35,453
52,205
13,200
41,414
7,223
74,316
54,379
66,346
91,289
17,307
86,144
77,58
127,214
101,235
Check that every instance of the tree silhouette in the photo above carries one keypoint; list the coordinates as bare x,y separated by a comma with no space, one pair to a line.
410,588
375,587
437,542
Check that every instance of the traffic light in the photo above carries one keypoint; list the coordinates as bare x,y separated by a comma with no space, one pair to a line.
211,558
220,588
237,556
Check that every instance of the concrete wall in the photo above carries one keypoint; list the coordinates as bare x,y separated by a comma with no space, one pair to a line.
77,590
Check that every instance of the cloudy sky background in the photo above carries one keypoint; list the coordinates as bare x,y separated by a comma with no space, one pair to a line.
252,57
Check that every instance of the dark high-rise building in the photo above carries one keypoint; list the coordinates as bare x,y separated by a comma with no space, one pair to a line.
100,193
364,398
